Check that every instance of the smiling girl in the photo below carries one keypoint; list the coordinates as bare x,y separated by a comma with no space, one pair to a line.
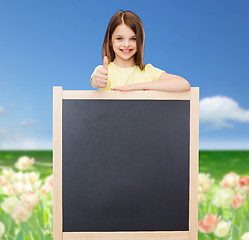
123,67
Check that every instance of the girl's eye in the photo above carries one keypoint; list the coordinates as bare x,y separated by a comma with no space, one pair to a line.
121,38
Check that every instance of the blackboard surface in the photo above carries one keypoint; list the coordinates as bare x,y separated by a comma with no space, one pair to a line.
125,165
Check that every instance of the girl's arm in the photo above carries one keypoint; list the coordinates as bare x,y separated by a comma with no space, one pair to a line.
167,82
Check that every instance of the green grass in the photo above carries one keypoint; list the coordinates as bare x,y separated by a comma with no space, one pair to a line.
219,163
43,161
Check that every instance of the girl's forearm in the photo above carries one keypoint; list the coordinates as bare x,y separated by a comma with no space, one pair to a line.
173,84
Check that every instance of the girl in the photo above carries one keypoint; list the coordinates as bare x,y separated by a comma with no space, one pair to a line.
123,67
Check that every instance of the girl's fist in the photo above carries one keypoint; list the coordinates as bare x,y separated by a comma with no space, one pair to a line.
100,78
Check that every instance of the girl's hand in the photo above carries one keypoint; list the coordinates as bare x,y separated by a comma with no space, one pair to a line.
100,78
130,87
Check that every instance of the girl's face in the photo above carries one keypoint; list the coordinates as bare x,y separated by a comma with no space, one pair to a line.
124,42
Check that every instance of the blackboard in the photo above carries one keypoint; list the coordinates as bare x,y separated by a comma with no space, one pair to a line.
125,165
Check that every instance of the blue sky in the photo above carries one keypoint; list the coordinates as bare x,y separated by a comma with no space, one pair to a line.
58,43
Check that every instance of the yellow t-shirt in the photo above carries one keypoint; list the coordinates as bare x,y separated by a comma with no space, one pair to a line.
118,76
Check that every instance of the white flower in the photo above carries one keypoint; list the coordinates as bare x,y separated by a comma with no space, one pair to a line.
8,190
245,236
222,229
18,188
224,197
22,212
2,228
24,163
8,173
230,180
27,188
18,177
201,197
33,177
31,199
10,204
204,182
36,185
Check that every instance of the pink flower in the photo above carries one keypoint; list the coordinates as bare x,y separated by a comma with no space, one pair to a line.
238,201
208,224
3,181
243,181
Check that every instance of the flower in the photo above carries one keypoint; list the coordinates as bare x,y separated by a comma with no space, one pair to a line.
201,197
10,204
24,163
3,181
22,212
208,224
2,228
243,181
222,229
243,185
238,201
33,177
18,177
224,197
48,186
230,180
18,188
30,199
204,181
245,236
8,173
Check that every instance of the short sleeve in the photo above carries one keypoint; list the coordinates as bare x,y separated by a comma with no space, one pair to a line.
99,66
154,72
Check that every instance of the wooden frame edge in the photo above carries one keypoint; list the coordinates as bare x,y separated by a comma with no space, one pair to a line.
150,235
110,94
57,163
194,163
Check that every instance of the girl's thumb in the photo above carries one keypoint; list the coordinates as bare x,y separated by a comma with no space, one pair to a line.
105,62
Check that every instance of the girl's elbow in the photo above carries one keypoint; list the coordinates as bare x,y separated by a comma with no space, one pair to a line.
185,85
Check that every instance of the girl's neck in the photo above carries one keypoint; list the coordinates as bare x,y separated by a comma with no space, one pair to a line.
124,63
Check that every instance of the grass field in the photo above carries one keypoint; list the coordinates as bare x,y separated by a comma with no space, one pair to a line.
215,163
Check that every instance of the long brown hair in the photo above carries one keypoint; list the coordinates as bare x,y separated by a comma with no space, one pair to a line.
134,22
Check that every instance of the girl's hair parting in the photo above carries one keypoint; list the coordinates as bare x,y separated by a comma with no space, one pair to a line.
134,22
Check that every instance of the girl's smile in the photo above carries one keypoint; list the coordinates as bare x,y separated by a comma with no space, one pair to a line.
126,50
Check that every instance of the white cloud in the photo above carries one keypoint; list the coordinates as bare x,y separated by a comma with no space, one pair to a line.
28,123
216,111
2,111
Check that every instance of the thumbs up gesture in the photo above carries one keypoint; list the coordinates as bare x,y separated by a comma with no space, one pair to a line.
100,78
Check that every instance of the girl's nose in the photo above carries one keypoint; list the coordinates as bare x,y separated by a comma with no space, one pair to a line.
126,43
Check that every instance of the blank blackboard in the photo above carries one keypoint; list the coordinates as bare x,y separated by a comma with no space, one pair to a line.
125,165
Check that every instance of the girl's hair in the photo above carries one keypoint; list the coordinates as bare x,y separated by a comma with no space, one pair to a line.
134,22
